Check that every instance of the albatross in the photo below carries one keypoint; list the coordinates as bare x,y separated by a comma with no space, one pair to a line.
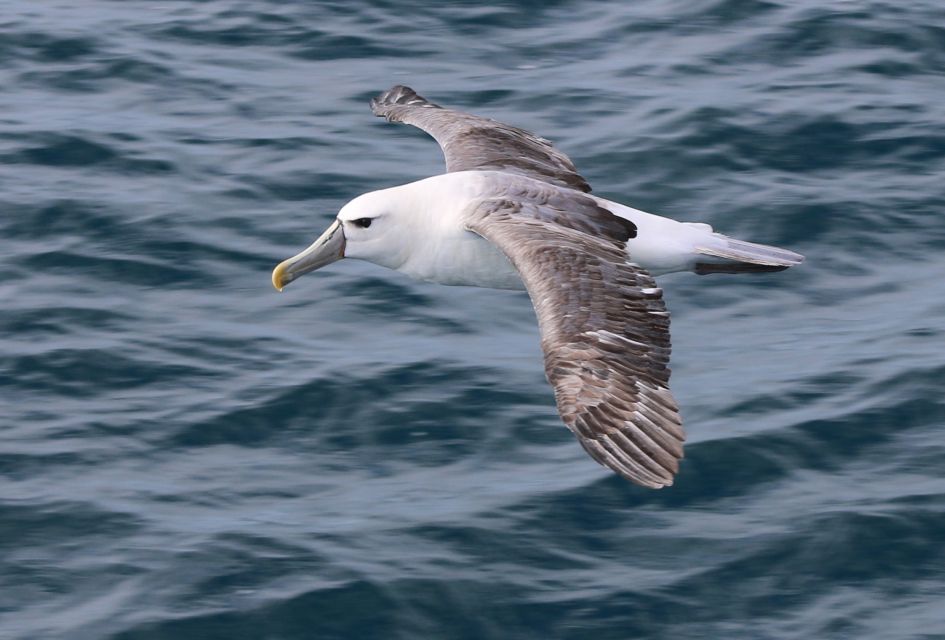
512,212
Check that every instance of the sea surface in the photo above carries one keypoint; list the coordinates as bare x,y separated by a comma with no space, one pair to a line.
187,454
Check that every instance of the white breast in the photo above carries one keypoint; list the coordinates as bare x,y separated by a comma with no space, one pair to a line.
463,258
446,252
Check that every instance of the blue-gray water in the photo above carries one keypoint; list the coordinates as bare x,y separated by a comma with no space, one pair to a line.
186,453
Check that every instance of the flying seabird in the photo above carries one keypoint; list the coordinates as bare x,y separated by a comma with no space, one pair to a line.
512,212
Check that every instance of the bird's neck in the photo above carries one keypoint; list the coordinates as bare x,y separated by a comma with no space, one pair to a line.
443,250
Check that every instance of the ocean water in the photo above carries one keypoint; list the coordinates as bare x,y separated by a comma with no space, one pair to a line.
186,453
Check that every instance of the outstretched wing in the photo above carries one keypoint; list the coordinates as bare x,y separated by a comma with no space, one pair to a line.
474,143
604,333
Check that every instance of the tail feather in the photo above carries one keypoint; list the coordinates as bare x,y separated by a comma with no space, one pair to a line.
738,256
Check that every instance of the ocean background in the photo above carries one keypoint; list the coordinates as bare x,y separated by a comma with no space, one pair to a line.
187,454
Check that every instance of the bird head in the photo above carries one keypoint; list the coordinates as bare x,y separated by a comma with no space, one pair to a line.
373,227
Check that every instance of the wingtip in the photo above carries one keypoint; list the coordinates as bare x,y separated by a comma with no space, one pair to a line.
394,95
398,95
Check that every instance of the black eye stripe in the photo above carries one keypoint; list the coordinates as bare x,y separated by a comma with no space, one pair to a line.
364,223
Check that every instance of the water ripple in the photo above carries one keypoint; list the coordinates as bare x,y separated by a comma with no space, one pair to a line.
189,454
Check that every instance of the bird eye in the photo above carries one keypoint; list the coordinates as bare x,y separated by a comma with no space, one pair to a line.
364,223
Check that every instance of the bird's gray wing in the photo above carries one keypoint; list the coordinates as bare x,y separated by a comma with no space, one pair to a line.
604,332
474,143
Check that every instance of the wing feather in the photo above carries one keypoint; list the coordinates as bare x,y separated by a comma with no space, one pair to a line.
604,332
474,143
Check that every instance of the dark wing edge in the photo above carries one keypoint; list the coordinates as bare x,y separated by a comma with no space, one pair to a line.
605,336
472,142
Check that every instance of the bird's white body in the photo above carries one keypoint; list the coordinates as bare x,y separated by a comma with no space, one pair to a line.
432,243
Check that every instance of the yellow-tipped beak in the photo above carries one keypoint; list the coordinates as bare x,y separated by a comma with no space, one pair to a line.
278,275
329,247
